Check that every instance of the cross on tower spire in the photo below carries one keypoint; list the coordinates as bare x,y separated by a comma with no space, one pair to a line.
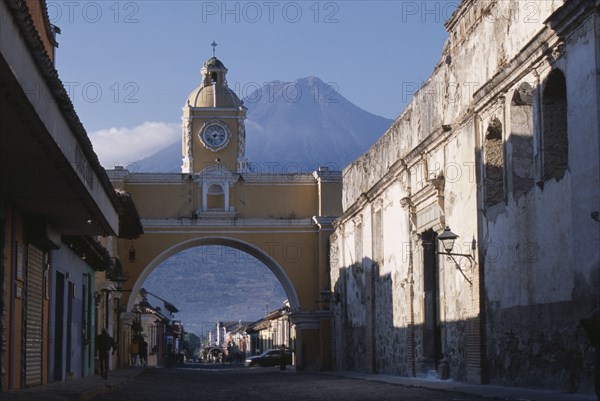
214,46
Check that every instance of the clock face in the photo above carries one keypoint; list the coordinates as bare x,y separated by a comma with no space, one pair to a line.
214,136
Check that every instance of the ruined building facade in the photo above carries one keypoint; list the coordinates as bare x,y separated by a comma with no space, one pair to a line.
502,145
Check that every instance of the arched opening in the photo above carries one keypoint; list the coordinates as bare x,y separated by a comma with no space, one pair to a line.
215,198
246,247
521,140
216,297
493,150
555,140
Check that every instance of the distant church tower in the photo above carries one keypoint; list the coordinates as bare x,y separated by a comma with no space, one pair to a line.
214,139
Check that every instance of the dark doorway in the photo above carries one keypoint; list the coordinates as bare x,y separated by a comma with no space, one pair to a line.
59,307
432,339
70,327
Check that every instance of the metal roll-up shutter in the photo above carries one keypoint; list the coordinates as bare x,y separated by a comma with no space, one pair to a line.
34,317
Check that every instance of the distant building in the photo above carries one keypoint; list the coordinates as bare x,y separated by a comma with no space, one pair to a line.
502,145
154,325
275,330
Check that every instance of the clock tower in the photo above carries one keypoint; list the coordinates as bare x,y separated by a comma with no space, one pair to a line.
213,124
213,144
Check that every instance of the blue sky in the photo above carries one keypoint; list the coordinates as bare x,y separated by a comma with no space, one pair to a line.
129,65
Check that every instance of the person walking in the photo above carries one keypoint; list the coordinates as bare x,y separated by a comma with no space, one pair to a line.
134,350
104,343
143,352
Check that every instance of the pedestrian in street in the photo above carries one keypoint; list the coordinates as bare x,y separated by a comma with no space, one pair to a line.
143,348
282,361
134,350
104,343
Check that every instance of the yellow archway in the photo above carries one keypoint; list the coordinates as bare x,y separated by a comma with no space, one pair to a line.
282,219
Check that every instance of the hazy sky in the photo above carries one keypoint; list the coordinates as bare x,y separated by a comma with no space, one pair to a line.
129,65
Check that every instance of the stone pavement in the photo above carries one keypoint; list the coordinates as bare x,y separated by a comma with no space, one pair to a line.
483,390
88,387
74,390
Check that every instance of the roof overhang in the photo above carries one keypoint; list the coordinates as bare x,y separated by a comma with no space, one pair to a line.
48,168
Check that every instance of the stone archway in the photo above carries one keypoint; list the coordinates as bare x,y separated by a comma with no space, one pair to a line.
243,246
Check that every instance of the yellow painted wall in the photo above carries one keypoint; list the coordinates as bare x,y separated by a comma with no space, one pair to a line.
281,201
330,197
310,348
155,201
287,200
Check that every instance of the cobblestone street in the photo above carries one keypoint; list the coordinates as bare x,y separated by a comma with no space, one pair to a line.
218,382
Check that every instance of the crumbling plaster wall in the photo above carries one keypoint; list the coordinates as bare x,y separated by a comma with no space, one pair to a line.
542,249
439,134
390,281
483,36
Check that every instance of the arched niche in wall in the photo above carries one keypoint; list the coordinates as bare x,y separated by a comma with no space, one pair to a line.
555,139
493,151
521,140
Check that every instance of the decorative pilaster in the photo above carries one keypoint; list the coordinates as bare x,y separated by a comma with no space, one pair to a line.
409,207
241,159
186,144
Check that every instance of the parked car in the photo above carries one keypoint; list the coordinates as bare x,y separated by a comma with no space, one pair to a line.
271,357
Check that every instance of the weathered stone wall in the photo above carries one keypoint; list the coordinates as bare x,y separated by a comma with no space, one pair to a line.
483,37
480,149
542,247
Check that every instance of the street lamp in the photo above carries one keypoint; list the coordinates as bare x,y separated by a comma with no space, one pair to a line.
132,253
116,274
447,238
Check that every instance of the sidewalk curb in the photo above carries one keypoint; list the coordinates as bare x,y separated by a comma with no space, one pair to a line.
105,388
83,389
486,391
